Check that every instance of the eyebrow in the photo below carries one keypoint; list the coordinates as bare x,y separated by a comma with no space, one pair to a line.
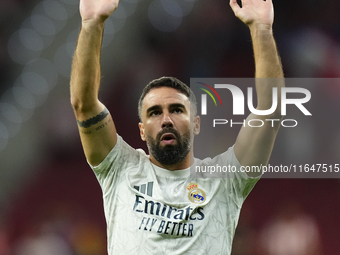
177,105
157,107
152,108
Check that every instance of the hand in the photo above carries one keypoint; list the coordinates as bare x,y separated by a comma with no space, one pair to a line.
254,12
97,10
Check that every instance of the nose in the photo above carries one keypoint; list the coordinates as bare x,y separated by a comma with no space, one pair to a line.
167,121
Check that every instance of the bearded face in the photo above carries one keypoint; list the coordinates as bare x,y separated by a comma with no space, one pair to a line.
167,127
169,147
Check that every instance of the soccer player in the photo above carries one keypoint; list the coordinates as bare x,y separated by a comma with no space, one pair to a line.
152,205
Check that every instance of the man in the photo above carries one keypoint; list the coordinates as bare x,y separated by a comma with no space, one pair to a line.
152,205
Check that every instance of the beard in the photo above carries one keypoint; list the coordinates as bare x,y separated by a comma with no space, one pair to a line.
169,154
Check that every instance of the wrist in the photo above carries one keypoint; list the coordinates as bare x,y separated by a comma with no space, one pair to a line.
260,29
92,24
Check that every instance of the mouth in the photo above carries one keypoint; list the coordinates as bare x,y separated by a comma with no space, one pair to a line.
168,138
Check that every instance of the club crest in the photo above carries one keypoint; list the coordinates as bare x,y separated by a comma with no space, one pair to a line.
195,195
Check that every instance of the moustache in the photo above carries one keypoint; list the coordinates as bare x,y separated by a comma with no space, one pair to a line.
168,130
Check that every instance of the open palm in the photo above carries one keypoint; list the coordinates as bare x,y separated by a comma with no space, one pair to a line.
97,9
254,11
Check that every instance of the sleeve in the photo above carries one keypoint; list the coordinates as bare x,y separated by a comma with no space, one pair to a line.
119,159
237,182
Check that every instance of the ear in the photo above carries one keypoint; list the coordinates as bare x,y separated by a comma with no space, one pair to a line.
197,125
141,130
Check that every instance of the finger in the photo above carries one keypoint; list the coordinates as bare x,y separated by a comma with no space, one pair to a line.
234,5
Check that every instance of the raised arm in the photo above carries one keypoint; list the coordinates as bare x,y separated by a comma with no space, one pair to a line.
254,145
96,128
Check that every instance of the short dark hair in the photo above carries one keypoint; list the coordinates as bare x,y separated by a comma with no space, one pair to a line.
170,82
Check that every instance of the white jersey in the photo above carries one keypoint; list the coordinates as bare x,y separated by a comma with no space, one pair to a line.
151,210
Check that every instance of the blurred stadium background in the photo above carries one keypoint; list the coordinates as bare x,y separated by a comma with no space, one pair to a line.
50,202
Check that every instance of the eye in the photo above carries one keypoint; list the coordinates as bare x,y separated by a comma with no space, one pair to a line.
177,110
155,113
